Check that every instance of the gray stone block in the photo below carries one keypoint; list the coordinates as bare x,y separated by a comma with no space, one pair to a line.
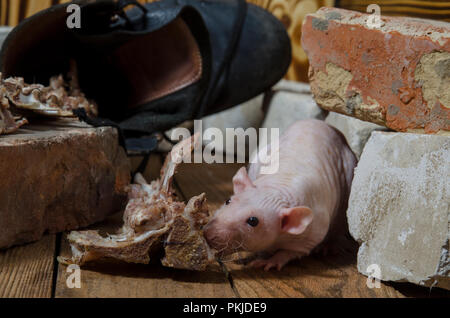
356,131
290,102
399,208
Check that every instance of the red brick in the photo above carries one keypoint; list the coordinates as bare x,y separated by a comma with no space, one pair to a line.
397,75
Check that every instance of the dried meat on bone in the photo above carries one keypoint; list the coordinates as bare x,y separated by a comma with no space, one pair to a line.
58,99
153,218
8,122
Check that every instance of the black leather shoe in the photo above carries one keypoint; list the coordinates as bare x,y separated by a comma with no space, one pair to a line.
154,66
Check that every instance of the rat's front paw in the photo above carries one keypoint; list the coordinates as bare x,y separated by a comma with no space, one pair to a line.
278,260
266,263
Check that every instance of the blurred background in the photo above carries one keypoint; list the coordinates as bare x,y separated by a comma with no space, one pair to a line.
290,12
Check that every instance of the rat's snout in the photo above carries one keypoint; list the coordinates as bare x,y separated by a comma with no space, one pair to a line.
207,230
217,237
211,235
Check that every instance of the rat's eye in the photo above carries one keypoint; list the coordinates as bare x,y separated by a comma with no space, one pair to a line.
227,201
253,221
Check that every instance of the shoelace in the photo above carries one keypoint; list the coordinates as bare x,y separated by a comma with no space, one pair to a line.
122,4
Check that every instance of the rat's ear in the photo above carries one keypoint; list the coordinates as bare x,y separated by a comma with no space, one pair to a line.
241,181
295,220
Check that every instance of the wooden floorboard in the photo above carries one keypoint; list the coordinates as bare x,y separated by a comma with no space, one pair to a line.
27,270
213,179
118,279
313,276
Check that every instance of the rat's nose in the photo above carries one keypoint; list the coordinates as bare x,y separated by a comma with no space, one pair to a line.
208,231
211,234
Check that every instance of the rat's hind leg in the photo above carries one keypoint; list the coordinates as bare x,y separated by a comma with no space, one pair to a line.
335,245
328,248
278,260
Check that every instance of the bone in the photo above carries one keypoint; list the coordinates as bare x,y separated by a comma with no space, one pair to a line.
180,152
8,122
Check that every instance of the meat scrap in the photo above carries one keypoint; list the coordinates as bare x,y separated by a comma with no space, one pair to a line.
153,219
58,99
185,243
8,122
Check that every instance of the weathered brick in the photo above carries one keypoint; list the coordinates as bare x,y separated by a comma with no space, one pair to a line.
59,177
397,75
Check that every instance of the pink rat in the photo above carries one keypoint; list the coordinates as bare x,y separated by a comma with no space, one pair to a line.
291,212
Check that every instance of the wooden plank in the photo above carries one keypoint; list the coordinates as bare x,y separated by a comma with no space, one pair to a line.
118,279
214,179
313,276
35,6
27,271
152,169
3,12
14,13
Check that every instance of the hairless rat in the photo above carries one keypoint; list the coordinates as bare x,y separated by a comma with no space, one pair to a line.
291,212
